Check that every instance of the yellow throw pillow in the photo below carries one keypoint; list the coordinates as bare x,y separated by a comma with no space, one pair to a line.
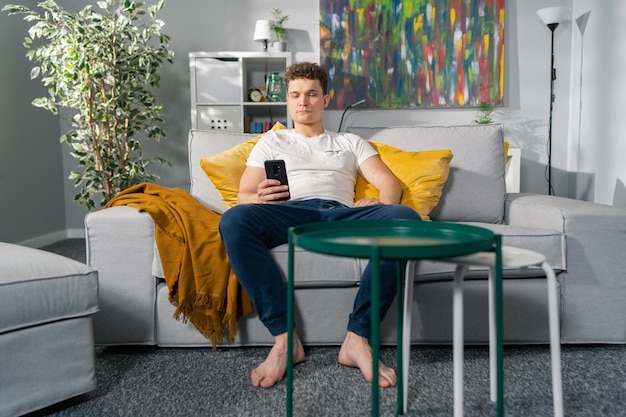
506,151
422,175
226,168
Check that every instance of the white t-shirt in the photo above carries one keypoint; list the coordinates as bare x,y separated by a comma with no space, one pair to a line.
324,166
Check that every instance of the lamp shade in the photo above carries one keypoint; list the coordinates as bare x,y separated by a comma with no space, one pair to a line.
552,15
262,31
581,21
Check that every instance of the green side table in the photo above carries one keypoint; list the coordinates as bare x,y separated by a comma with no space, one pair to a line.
399,240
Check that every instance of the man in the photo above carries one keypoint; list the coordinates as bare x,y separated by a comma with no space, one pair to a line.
322,168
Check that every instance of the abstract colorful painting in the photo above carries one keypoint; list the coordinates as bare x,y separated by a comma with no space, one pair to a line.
413,53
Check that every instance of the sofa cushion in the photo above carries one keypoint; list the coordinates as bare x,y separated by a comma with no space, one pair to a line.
422,175
226,168
475,189
38,287
203,143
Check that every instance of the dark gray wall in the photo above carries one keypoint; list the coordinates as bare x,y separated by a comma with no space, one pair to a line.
32,207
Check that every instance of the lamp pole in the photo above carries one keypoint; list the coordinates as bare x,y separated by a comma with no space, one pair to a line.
551,17
358,103
552,27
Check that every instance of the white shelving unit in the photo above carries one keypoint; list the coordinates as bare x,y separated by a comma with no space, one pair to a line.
512,170
220,82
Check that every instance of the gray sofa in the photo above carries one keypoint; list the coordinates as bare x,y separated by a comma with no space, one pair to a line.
582,241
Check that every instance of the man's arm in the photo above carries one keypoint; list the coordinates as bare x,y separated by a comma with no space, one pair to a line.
375,171
255,188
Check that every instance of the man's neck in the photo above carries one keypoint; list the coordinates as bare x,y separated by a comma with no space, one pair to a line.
309,130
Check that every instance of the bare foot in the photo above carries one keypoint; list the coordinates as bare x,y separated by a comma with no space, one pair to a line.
273,369
356,352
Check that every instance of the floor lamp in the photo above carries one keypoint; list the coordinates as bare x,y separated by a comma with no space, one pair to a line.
581,22
358,103
551,17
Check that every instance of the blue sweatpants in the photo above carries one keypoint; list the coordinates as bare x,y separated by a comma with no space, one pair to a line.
249,231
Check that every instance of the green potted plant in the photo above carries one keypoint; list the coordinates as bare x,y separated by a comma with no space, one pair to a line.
277,25
102,66
483,117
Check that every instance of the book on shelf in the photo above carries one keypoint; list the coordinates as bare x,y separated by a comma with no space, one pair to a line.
260,127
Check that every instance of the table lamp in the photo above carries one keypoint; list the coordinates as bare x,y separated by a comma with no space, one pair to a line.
262,32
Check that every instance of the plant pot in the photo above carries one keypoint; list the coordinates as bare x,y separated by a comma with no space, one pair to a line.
279,46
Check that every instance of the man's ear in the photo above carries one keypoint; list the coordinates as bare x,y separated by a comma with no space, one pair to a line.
326,100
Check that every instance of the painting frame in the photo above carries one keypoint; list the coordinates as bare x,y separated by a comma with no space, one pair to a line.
413,53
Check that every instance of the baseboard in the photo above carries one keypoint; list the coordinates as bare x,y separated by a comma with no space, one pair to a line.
50,238
76,233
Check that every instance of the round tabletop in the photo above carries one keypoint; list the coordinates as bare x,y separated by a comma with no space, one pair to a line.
393,239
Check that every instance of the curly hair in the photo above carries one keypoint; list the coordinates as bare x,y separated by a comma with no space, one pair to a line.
308,70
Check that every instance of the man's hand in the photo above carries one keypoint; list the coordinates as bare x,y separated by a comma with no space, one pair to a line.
366,202
271,192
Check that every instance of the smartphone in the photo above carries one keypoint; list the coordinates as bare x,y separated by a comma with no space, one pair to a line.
275,170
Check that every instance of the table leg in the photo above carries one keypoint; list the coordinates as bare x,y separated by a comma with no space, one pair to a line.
406,329
493,376
375,325
555,341
290,320
499,328
400,266
457,336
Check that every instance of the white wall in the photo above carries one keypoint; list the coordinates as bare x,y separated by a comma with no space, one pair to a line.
197,25
597,143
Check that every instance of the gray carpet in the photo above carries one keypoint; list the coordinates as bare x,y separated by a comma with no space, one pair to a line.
148,381
71,248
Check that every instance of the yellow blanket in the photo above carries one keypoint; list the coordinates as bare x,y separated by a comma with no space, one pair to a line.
197,272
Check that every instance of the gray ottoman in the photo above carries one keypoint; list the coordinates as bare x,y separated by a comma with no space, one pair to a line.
46,335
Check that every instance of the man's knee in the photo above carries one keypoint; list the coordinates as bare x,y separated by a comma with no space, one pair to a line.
233,220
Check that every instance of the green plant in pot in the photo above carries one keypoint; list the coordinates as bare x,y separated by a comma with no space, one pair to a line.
102,65
277,25
484,115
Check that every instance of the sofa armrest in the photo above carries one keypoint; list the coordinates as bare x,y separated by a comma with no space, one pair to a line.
120,245
536,210
560,213
593,286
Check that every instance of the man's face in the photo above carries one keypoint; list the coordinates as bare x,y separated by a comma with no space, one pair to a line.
306,101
